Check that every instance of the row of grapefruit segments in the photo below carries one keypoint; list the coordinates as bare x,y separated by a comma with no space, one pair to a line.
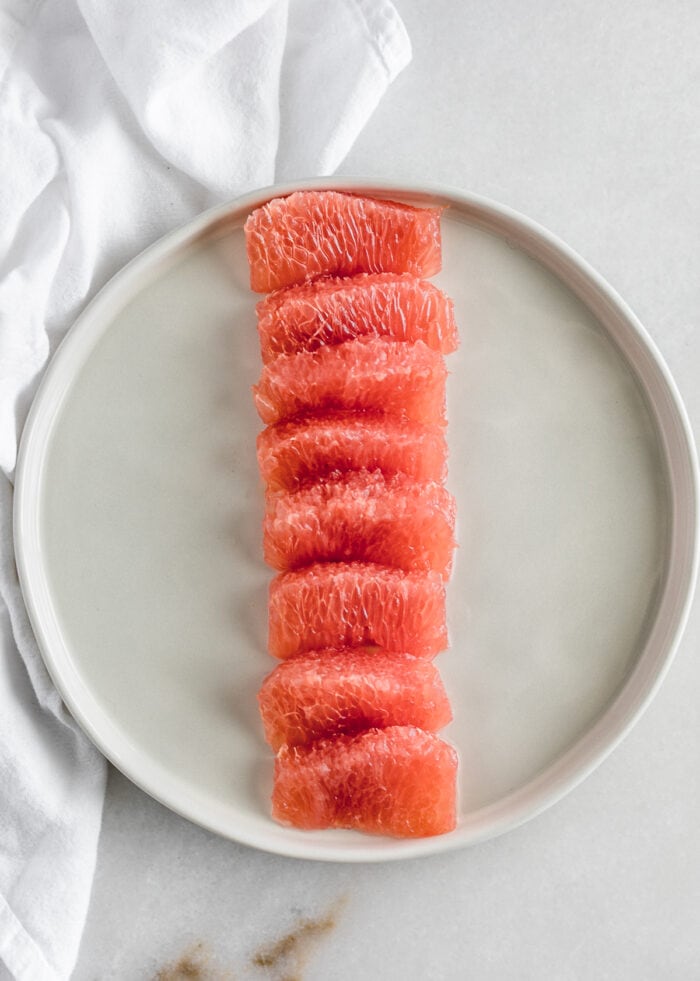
358,522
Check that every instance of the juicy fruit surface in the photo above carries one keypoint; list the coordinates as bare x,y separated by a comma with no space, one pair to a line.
316,233
398,781
356,604
393,521
367,373
295,453
400,307
326,693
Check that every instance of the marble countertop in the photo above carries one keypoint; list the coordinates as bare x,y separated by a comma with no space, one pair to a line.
584,116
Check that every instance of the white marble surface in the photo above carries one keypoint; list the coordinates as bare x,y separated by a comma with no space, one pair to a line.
585,116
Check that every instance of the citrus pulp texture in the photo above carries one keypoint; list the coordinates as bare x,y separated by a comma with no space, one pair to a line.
354,604
397,781
367,373
394,521
316,233
295,453
330,311
357,521
326,693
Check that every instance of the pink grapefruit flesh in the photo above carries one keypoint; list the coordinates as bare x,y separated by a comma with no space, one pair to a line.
330,311
398,781
326,693
367,373
295,453
318,233
393,521
356,604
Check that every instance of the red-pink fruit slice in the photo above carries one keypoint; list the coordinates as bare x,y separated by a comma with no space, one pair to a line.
356,604
393,521
330,311
318,233
294,453
398,781
326,693
368,373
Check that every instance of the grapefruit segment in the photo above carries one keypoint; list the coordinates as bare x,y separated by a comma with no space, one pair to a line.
330,311
356,604
366,373
316,233
326,693
398,781
393,521
294,453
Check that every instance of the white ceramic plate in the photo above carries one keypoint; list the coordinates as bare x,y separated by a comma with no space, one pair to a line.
138,515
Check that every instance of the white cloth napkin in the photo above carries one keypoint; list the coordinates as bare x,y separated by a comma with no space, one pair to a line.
119,121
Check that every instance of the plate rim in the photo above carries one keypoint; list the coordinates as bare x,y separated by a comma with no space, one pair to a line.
640,684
